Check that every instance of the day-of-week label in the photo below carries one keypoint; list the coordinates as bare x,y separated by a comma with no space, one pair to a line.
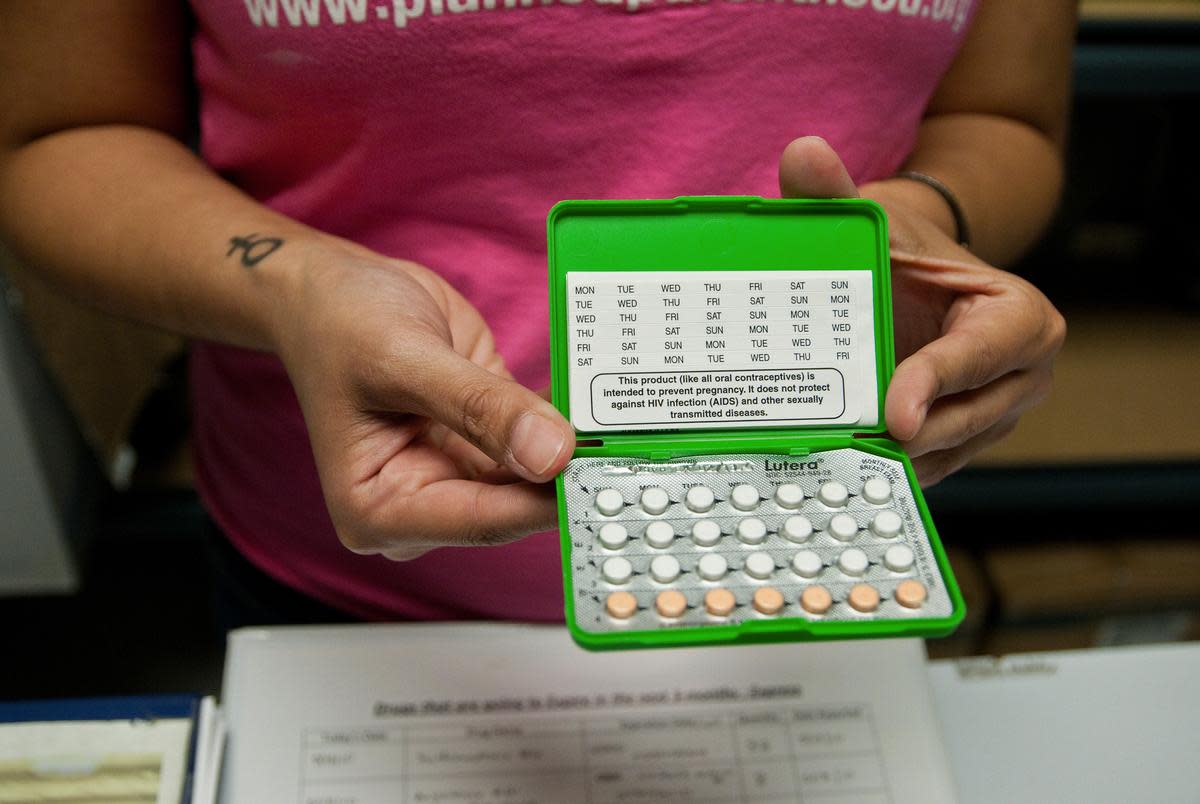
686,349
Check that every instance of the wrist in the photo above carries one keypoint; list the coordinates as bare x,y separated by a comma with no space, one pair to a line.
962,234
916,197
302,271
311,287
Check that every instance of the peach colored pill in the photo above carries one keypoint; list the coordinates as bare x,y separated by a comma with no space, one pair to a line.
621,605
911,594
768,600
719,602
863,597
670,603
816,600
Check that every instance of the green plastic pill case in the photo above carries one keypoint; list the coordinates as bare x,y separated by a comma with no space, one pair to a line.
724,361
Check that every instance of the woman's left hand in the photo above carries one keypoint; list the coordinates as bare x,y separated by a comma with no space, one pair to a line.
975,344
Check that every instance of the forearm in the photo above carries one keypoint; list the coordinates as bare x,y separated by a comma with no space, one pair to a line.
994,129
1006,175
127,219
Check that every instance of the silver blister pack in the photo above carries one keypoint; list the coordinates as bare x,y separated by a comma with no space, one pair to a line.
584,478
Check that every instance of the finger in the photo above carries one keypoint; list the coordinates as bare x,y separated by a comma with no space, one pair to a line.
472,463
405,553
953,420
810,168
454,512
986,339
935,467
963,264
509,423
499,475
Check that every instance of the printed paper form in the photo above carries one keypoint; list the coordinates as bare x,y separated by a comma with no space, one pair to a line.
689,349
1109,725
504,714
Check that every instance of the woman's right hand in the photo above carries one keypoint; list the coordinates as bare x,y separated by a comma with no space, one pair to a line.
422,439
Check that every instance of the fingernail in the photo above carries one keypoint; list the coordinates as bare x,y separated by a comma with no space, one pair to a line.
922,412
535,444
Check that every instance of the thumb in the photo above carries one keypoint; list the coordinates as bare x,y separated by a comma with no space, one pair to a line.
510,423
810,168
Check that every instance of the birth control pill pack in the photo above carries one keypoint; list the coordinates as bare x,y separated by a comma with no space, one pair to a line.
724,362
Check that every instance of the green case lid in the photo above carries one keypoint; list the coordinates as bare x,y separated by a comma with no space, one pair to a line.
712,234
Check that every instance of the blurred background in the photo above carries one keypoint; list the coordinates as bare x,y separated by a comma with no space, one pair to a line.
1078,531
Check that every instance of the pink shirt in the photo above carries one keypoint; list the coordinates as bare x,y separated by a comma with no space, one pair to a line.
442,131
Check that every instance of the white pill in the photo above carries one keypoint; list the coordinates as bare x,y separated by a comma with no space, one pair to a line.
665,569
706,533
853,561
807,564
898,558
886,524
877,490
744,497
712,566
660,535
655,500
833,494
751,530
609,502
843,527
759,565
797,528
617,570
789,495
613,536
700,499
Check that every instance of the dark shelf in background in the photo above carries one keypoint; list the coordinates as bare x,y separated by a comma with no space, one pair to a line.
1124,230
1092,503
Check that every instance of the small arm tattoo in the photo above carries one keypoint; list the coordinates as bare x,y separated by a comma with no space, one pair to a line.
254,249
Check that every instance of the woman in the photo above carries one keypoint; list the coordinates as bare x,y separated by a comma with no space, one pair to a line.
360,244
